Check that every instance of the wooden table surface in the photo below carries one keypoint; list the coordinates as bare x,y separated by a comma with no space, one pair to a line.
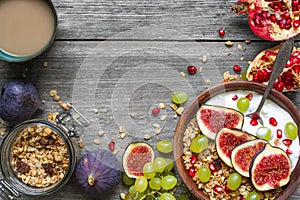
125,57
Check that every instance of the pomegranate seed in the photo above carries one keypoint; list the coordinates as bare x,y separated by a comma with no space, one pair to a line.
296,53
260,76
235,97
287,142
296,23
192,172
192,69
222,32
155,111
218,189
279,133
193,159
242,198
227,189
111,146
249,96
296,69
254,122
273,121
265,58
212,167
288,151
286,15
280,86
237,69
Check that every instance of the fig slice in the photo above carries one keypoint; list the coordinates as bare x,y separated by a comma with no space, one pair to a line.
242,155
136,155
211,119
270,168
227,140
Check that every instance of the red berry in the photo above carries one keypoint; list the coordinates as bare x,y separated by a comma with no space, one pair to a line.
273,121
222,32
155,111
288,151
249,96
111,146
192,69
254,122
287,142
279,133
237,69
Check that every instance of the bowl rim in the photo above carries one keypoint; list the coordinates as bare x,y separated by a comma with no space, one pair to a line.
191,109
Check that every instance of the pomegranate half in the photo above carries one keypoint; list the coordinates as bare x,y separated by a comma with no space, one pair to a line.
273,20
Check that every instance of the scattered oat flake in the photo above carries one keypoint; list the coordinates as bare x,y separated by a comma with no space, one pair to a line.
115,151
76,116
56,97
240,47
158,130
229,53
175,116
147,137
132,115
207,81
122,135
53,92
242,58
174,106
122,195
45,64
97,141
163,117
100,132
80,143
2,131
122,129
183,74
248,41
162,105
204,58
200,69
229,43
95,111
156,125
180,110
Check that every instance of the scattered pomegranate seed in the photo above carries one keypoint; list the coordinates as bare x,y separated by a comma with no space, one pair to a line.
192,172
249,96
237,69
288,151
242,198
155,111
218,189
111,146
235,97
227,189
212,167
287,142
222,32
193,159
279,133
254,122
192,69
273,121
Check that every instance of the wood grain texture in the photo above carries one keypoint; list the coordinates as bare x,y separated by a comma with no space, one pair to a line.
124,57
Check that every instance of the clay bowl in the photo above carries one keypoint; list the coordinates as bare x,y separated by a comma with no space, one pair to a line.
191,110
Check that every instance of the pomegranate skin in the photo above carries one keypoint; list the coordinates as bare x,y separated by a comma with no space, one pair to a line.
270,20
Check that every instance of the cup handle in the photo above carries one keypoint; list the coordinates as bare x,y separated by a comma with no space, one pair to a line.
7,192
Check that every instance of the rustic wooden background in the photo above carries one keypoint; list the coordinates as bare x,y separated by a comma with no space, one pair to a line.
125,56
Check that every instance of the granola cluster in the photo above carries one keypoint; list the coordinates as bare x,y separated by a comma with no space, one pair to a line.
39,156
218,178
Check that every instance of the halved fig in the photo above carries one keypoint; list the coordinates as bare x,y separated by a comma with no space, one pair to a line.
211,119
260,69
242,155
227,140
136,155
270,169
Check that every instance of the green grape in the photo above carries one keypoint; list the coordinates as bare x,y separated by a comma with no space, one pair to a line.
291,130
169,164
148,170
159,164
253,196
199,144
234,181
141,184
244,75
154,183
132,191
168,182
179,97
264,133
165,146
204,174
243,104
167,196
126,180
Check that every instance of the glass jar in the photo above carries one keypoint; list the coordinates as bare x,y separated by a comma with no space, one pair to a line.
15,181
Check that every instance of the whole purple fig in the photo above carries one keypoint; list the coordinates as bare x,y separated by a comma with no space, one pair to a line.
19,100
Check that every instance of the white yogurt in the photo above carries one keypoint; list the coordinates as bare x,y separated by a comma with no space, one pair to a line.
270,109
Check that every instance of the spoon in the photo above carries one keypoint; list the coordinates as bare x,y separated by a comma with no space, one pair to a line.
282,57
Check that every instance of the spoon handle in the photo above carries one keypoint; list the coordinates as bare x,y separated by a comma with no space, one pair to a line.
282,57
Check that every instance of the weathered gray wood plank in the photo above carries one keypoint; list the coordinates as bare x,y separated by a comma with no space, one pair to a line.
122,77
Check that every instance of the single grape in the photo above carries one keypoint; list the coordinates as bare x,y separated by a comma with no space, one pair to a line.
141,184
291,130
132,191
126,180
253,196
165,146
243,104
159,164
199,144
154,183
167,196
168,182
234,181
179,97
169,164
148,170
264,133
204,174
